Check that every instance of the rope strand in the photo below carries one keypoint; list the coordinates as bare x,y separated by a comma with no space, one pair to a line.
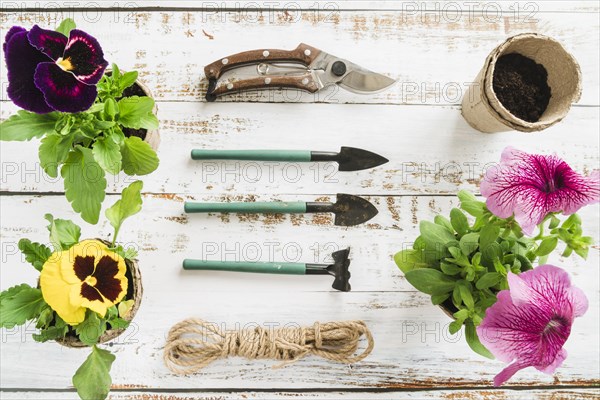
193,344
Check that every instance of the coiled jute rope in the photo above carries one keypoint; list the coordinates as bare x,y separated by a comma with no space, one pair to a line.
193,344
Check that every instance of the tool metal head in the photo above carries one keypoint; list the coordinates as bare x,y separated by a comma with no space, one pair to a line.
339,270
350,76
353,159
352,210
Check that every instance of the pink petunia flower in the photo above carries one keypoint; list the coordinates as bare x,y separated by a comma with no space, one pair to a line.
531,186
530,322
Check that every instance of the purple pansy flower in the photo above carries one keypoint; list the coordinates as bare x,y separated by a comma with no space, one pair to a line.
49,72
531,186
530,323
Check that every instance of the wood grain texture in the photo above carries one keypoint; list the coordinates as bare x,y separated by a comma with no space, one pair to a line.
434,52
486,394
432,150
413,349
433,56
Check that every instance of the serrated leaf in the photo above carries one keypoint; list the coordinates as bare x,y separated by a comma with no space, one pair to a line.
488,280
84,183
12,291
129,204
473,341
66,26
90,330
35,253
53,151
26,125
138,157
107,154
118,323
21,305
92,380
547,246
430,281
45,318
459,221
63,232
56,331
127,79
134,112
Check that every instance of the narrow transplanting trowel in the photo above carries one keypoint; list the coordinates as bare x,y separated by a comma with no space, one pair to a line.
339,268
349,210
348,158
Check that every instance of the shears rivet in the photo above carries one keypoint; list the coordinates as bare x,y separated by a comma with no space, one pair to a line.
305,81
225,61
266,53
262,68
338,68
267,81
307,52
230,86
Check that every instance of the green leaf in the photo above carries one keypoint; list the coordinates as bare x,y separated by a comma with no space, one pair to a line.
455,326
443,221
473,341
435,238
127,79
488,280
63,233
90,330
92,380
21,304
84,183
430,281
438,299
45,317
450,269
488,235
14,290
469,243
56,331
547,246
470,204
459,221
25,125
129,204
107,154
407,260
66,26
53,151
466,296
35,253
118,323
136,112
111,108
554,222
138,157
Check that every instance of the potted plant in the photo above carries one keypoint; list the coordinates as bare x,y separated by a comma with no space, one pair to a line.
88,292
481,272
527,83
91,122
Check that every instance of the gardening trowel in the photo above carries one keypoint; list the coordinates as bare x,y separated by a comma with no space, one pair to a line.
339,268
349,210
349,158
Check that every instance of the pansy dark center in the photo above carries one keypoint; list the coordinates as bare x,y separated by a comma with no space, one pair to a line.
65,64
98,279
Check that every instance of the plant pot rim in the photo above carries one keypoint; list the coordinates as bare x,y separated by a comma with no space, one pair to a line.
110,334
497,108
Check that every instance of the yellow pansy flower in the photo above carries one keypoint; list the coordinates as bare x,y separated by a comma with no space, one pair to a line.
87,276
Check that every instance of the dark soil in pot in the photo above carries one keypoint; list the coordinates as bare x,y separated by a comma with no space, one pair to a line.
521,85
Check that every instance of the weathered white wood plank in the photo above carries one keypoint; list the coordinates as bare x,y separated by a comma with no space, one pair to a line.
412,347
434,56
431,149
485,394
354,5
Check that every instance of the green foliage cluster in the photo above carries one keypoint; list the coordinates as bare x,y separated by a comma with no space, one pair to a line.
23,302
84,146
464,264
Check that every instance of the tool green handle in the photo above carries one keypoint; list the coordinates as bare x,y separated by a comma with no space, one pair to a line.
276,207
252,155
243,266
